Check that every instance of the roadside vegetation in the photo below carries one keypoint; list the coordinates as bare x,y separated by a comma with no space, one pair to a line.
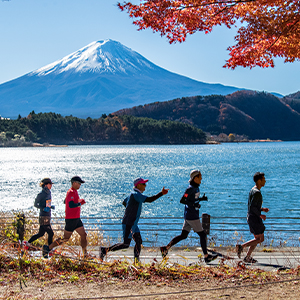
24,275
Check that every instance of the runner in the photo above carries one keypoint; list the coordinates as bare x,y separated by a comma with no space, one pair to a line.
133,204
72,219
254,218
191,217
43,202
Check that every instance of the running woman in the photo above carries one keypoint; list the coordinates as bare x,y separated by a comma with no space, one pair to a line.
43,202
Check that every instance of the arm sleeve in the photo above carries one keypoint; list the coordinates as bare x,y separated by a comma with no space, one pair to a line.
72,204
188,198
153,198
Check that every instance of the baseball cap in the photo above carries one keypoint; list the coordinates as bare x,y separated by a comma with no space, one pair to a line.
78,179
193,174
46,181
139,180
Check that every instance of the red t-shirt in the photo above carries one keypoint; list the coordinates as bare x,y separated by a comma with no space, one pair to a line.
72,213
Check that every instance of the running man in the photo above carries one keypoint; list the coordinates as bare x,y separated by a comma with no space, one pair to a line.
254,218
133,204
72,219
191,199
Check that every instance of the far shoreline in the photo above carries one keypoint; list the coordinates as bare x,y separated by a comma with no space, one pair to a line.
209,142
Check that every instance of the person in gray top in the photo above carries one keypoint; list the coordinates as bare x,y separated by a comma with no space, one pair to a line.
254,218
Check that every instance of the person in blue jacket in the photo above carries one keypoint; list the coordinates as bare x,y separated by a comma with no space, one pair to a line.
191,199
133,203
43,202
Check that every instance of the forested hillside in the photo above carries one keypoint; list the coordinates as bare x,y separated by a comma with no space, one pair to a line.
257,115
54,128
293,101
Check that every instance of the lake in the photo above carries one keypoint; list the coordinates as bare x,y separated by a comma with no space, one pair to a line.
109,171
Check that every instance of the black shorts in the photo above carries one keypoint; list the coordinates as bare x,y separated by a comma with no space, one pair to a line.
73,224
256,225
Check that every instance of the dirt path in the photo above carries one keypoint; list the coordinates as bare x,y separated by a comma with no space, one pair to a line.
116,289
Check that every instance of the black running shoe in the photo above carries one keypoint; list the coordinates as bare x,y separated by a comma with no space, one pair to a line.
102,253
239,250
164,251
210,258
250,260
45,251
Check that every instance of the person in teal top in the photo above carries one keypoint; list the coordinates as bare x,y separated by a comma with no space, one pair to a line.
133,203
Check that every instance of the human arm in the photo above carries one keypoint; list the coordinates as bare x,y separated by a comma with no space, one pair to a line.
191,198
265,209
72,204
72,199
44,201
155,197
263,217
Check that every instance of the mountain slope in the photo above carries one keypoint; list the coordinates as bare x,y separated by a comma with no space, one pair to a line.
102,77
293,100
257,115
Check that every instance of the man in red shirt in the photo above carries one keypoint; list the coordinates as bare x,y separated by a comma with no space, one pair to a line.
72,219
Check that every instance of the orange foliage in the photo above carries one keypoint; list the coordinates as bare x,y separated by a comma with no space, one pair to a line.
266,28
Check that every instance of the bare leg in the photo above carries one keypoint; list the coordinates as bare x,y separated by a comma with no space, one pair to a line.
259,238
83,239
59,241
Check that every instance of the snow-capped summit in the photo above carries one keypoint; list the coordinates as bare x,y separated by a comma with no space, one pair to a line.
106,56
103,77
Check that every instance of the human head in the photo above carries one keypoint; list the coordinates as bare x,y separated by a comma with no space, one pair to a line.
45,182
76,182
257,176
193,174
140,183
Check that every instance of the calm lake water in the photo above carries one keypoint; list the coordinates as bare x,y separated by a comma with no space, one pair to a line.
109,171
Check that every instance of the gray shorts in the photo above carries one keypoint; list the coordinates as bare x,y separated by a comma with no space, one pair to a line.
192,224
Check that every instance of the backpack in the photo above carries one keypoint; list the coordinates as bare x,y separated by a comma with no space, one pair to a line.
37,202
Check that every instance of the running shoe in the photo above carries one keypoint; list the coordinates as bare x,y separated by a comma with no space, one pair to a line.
45,251
164,251
54,252
239,250
250,260
102,253
210,258
26,245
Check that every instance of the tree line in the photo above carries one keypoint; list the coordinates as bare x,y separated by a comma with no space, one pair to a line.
112,129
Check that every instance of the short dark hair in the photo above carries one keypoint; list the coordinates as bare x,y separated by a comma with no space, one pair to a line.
258,175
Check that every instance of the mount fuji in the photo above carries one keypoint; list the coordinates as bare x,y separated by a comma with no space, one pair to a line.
103,77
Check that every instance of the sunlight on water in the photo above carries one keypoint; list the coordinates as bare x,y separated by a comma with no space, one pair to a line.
109,171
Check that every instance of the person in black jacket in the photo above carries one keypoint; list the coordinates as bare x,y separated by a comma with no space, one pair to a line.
254,218
191,199
43,202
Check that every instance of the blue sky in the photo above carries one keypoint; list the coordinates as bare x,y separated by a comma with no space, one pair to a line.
34,33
